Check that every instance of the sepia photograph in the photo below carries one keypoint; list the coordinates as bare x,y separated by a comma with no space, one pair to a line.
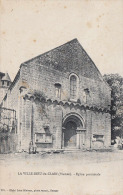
61,97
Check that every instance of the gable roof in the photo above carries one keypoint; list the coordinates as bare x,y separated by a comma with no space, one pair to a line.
6,77
68,57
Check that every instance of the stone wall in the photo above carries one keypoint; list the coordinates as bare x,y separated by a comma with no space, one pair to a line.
67,58
36,116
43,79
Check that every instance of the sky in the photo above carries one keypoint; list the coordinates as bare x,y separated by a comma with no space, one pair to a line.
29,28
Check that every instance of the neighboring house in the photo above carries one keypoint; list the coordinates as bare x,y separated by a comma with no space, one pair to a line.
5,82
61,101
8,125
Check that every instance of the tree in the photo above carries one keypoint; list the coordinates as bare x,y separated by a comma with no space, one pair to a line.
115,81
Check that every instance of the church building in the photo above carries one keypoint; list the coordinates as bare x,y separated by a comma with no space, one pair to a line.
61,101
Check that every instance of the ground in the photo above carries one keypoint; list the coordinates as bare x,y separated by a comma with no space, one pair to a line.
73,158
80,173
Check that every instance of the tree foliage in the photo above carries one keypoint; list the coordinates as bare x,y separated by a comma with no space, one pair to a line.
115,81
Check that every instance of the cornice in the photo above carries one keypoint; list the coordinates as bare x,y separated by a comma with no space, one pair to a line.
50,101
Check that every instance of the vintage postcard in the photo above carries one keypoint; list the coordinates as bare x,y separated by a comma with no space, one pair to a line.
61,97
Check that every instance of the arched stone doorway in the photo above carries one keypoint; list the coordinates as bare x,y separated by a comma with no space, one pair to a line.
70,134
73,131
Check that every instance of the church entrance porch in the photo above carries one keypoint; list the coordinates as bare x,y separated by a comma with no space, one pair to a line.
73,132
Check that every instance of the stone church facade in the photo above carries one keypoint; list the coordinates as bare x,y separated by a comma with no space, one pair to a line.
61,101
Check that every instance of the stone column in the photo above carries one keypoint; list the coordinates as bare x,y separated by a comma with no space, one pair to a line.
78,139
18,121
63,137
58,124
88,135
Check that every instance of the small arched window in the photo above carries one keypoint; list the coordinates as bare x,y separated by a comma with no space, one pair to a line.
73,87
58,90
